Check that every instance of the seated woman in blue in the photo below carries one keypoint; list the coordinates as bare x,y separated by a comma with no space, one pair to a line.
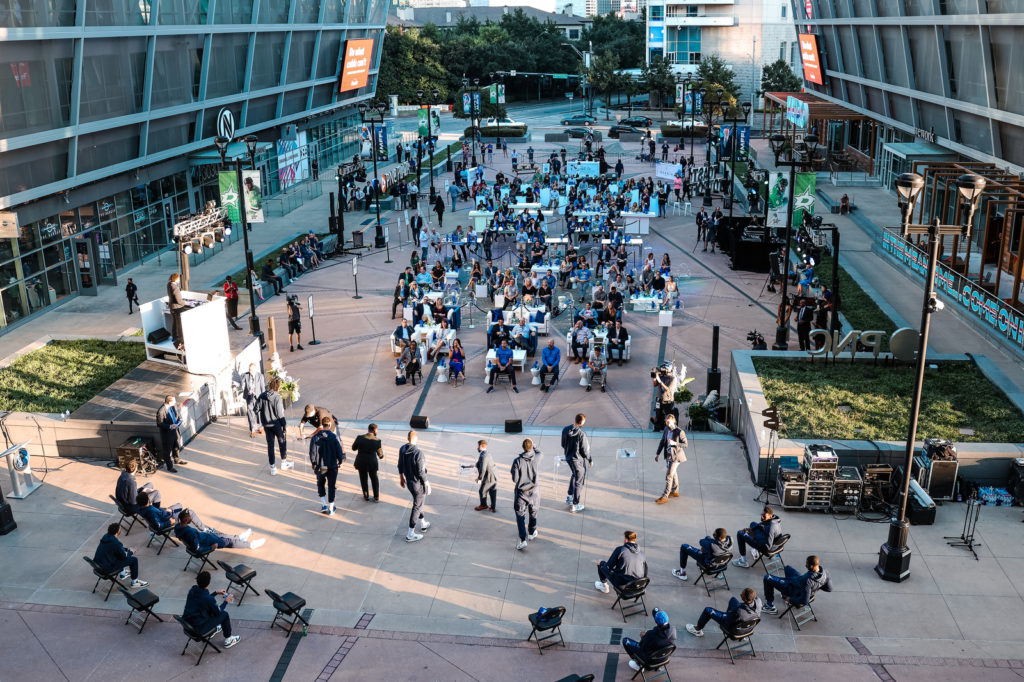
457,361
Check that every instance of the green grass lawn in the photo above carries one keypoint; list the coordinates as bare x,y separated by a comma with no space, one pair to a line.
64,375
957,395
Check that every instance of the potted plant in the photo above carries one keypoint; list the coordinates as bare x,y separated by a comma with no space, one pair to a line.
699,416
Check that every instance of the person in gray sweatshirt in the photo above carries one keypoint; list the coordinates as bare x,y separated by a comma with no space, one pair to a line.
527,492
486,478
412,474
626,564
576,448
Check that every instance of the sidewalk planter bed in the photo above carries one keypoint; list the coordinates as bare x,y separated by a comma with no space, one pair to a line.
956,395
64,375
495,131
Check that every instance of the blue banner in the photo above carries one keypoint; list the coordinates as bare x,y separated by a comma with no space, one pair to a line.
476,103
465,102
381,143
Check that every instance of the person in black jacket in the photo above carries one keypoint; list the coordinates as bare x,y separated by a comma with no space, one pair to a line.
274,425
651,641
617,340
367,462
326,457
412,474
267,275
576,449
761,536
131,290
710,549
127,489
176,304
168,420
486,478
204,539
202,613
626,564
527,492
796,588
739,613
112,555
253,386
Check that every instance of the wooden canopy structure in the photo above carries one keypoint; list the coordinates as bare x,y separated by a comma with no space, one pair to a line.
820,112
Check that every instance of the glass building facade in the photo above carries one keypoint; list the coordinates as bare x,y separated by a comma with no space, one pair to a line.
943,71
108,112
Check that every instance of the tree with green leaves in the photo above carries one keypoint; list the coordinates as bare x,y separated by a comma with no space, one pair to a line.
659,80
779,77
713,69
410,61
624,38
603,76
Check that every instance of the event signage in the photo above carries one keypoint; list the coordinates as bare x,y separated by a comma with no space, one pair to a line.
902,342
778,198
226,123
973,298
803,197
465,102
227,181
421,120
355,68
742,134
381,142
810,57
797,112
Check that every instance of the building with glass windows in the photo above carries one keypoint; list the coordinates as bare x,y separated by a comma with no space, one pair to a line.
108,112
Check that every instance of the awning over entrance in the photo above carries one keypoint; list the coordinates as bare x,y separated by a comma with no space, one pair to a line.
915,150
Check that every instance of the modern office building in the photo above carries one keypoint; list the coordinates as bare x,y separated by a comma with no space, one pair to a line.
108,113
747,34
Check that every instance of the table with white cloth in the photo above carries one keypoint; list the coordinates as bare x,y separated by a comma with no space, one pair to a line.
647,304
638,223
631,243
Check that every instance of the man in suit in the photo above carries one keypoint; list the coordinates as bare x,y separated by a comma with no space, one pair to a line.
486,477
176,303
404,331
416,225
253,386
617,341
169,422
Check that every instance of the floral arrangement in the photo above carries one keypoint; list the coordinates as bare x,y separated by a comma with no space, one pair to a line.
289,385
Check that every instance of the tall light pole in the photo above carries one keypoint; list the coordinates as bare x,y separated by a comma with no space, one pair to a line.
497,108
340,244
374,116
435,95
474,112
251,141
708,109
894,556
733,119
697,86
778,141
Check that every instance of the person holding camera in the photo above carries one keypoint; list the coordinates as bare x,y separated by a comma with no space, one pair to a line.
294,322
665,382
673,440
326,457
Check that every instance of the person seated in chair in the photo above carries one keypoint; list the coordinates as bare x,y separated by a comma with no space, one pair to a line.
580,341
761,536
651,641
710,549
157,518
202,613
457,362
127,490
597,369
524,335
437,275
626,564
210,539
617,338
111,555
499,332
740,612
550,359
796,588
403,332
410,361
444,334
502,365
545,294
588,315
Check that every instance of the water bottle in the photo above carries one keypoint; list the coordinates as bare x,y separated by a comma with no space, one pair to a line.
541,611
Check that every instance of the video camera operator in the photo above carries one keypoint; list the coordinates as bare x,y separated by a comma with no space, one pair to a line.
294,322
666,383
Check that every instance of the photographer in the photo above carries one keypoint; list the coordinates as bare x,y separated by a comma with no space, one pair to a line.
294,322
664,381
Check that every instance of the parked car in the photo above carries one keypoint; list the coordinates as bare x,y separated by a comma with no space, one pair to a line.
638,121
577,131
615,130
579,119
488,122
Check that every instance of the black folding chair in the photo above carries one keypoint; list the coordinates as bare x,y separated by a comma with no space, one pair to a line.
164,534
240,575
737,637
126,515
550,621
632,592
203,557
655,663
771,560
715,570
288,606
101,575
196,636
801,614
142,602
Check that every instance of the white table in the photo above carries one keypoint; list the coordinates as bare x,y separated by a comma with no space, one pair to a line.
556,240
638,223
518,358
647,304
542,268
481,219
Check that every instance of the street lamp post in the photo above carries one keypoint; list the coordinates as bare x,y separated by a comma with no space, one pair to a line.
708,109
697,86
777,143
474,113
435,95
497,109
894,556
374,116
250,144
732,155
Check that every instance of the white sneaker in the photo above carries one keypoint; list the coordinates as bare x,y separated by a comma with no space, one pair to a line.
601,586
533,535
273,470
245,535
634,665
578,508
231,641
754,554
521,545
330,510
123,574
139,583
692,629
256,544
679,573
287,464
424,524
741,562
413,537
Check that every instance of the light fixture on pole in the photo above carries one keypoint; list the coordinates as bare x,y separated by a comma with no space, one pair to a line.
894,556
778,144
374,115
696,87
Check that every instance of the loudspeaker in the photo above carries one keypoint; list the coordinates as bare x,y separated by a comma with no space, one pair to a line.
513,426
419,421
7,523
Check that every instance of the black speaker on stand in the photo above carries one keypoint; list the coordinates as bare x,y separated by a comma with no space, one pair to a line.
513,426
7,523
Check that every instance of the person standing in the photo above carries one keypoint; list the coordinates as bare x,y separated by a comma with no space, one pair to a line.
527,492
176,303
231,294
132,292
274,425
294,322
804,319
326,457
673,440
439,210
412,474
368,455
576,448
169,422
253,386
486,478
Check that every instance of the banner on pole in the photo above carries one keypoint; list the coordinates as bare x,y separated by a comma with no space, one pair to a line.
229,194
803,197
381,143
778,199
465,102
492,93
421,119
253,196
501,93
476,102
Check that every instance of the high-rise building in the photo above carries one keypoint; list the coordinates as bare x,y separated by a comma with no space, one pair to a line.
746,34
108,112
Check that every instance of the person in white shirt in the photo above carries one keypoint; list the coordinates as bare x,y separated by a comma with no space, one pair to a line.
424,243
413,191
524,334
580,341
597,369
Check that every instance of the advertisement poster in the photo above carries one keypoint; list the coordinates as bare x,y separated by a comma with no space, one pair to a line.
797,111
421,121
476,102
492,94
809,56
229,195
743,137
355,68
668,171
292,160
381,143
253,196
778,199
803,197
501,93
465,102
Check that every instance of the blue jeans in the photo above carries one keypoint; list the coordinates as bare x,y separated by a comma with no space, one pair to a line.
711,614
687,551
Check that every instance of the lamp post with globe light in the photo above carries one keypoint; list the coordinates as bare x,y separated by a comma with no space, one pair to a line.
374,116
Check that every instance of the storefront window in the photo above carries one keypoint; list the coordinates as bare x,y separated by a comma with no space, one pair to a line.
11,306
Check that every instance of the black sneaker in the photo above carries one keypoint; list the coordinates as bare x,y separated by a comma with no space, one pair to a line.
300,346
291,349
